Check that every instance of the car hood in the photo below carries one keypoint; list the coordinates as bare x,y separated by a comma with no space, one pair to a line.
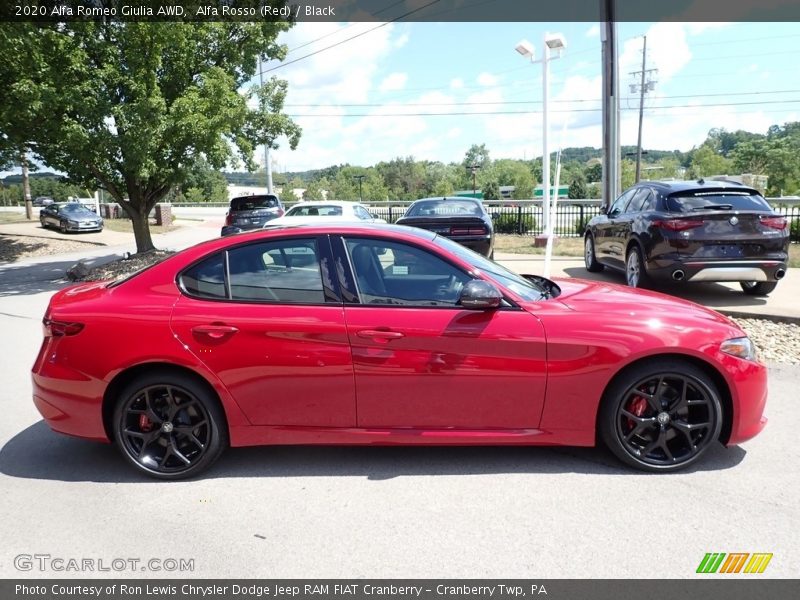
603,298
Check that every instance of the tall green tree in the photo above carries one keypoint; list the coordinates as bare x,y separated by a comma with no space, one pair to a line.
706,162
131,106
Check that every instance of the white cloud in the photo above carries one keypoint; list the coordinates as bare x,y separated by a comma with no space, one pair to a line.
395,81
457,83
487,79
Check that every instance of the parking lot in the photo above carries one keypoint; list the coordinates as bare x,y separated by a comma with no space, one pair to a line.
383,512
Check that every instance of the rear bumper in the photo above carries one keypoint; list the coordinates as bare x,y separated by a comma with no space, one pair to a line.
480,244
693,270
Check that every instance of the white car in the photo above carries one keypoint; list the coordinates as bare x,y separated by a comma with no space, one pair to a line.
314,212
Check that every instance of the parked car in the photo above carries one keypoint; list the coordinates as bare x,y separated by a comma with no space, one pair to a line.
379,334
309,212
463,220
251,212
42,201
70,216
690,231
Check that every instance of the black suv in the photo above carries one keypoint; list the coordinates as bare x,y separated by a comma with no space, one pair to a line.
251,212
687,231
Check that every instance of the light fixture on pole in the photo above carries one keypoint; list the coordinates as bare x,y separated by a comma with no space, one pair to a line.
360,179
554,44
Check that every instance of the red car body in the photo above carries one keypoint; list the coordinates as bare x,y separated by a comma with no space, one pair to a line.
347,373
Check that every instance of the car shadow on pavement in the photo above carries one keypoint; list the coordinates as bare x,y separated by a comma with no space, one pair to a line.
38,453
41,276
707,294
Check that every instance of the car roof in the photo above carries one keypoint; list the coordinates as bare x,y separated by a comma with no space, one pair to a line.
449,198
326,203
698,185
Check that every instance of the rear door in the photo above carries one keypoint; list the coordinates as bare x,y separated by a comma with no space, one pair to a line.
266,318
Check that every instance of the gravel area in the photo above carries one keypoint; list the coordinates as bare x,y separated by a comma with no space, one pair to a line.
776,342
15,247
118,268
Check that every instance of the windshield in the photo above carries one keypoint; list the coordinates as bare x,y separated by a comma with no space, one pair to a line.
254,202
717,201
330,210
425,208
75,208
525,288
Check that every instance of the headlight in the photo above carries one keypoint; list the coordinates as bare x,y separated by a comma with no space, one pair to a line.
741,347
73,223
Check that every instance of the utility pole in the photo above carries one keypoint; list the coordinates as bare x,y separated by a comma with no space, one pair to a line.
474,169
26,187
611,151
360,179
643,89
267,162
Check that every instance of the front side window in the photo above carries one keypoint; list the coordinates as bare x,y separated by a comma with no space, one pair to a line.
393,273
619,206
362,213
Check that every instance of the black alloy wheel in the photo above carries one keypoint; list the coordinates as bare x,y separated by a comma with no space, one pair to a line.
661,416
758,288
63,226
169,426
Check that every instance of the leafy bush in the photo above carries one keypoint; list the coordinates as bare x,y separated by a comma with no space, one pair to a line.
794,230
510,223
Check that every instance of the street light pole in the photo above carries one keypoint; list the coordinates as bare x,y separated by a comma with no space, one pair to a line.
360,179
474,169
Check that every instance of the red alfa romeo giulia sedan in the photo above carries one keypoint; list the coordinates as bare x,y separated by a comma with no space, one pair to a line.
354,334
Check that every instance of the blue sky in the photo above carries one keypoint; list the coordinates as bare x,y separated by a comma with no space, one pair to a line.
443,68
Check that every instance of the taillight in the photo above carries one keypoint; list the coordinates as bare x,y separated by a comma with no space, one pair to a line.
280,212
468,230
228,219
678,224
774,222
60,328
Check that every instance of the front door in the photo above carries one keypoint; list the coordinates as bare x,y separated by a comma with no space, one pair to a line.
422,361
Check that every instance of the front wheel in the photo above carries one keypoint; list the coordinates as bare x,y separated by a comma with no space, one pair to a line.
758,288
169,426
63,226
661,417
590,256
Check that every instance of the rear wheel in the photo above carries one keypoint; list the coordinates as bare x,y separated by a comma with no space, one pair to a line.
661,416
758,288
589,255
169,426
635,272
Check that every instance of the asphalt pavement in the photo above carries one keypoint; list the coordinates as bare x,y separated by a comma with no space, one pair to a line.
381,512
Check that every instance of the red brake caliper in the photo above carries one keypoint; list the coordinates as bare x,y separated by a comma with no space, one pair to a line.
145,424
637,407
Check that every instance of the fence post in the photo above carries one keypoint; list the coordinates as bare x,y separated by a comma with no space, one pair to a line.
519,219
583,223
390,214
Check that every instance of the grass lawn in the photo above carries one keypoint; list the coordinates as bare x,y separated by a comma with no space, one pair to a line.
126,226
15,217
573,246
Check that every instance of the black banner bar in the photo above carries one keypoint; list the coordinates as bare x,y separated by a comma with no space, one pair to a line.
745,587
392,10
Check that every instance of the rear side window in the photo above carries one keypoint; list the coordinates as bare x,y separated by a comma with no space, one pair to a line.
285,271
717,201
206,279
254,202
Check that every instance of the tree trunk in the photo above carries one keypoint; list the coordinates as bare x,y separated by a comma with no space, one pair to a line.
141,230
26,187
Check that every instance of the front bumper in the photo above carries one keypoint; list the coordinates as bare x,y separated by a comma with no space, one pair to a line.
81,227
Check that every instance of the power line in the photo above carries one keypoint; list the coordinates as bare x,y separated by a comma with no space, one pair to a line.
508,102
344,41
533,112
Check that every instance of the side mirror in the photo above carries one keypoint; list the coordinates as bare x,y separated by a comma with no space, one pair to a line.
479,295
604,210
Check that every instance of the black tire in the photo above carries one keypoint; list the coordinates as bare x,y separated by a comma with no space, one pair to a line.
758,288
590,256
43,223
632,421
169,426
639,277
63,227
491,255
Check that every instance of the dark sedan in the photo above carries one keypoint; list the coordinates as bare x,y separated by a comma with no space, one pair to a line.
251,212
70,216
690,231
463,220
